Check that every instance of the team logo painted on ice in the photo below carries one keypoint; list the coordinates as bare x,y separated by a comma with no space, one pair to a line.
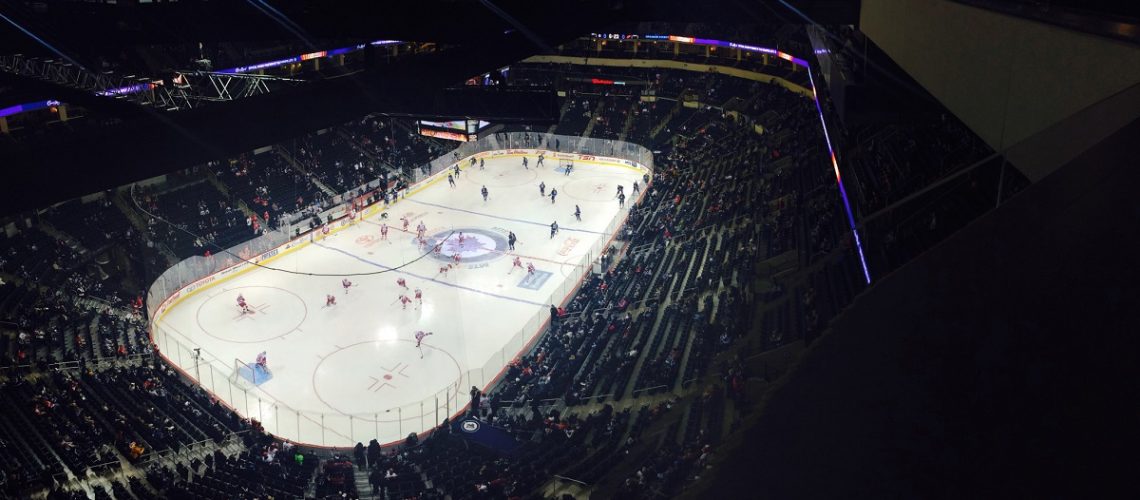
478,245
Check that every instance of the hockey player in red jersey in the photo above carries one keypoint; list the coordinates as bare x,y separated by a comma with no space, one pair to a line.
456,257
330,300
384,231
517,263
404,300
530,267
346,284
443,270
404,219
401,283
242,304
419,297
421,230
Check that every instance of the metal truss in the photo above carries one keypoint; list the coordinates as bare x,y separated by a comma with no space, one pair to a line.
205,86
185,90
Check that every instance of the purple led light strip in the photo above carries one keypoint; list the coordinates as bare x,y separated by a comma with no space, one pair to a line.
838,179
31,106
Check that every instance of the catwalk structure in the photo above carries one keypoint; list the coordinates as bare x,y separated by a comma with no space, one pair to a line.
319,341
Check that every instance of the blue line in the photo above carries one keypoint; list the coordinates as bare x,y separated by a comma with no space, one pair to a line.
382,266
504,218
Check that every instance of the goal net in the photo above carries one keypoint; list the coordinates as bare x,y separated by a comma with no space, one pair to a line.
564,164
250,373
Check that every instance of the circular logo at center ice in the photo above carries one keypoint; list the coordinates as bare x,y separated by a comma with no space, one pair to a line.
477,245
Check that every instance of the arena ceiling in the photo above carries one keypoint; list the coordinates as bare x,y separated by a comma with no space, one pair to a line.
138,144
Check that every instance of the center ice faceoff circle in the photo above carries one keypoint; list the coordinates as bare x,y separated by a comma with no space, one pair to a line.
368,378
477,245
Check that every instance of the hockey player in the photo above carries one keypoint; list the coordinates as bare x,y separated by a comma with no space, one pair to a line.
511,240
620,190
516,263
404,300
553,229
480,164
524,163
421,229
401,283
578,213
530,268
569,167
443,270
484,191
242,305
420,335
542,189
456,257
461,238
419,297
621,200
405,220
553,194
330,300
261,361
636,187
384,231
456,169
539,162
450,180
346,284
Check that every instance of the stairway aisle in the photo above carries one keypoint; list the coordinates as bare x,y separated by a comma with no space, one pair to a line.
363,488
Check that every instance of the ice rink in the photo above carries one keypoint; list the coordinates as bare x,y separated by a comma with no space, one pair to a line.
351,371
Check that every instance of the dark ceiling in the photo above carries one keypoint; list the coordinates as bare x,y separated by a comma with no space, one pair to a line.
140,143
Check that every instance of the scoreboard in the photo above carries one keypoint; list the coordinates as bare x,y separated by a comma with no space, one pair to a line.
455,130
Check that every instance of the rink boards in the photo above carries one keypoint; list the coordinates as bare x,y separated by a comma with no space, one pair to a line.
441,389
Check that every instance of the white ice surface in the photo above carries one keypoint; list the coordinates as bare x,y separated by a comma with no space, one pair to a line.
358,357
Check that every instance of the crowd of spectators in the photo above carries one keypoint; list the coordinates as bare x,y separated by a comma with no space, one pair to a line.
268,185
394,144
196,218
